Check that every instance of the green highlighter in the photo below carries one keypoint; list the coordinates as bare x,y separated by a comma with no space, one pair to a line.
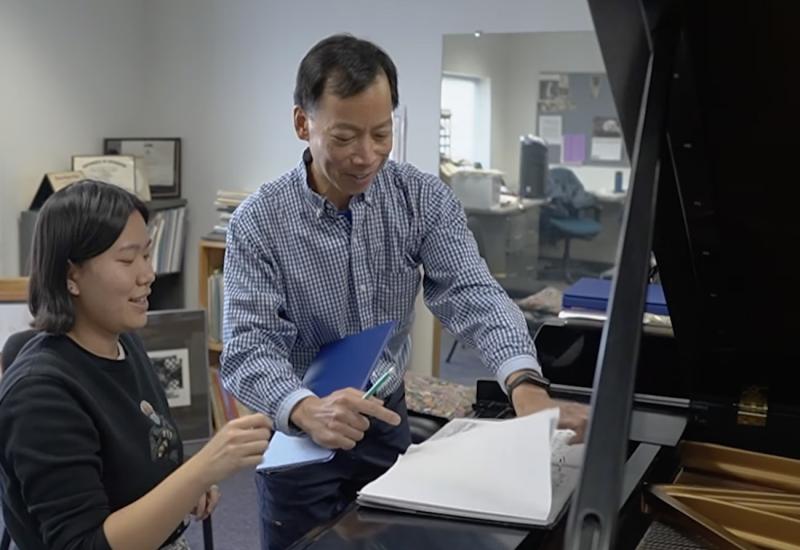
378,384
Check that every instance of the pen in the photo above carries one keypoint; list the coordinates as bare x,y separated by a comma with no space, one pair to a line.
378,384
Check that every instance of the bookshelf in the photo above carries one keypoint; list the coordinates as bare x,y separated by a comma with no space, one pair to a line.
224,406
212,258
167,291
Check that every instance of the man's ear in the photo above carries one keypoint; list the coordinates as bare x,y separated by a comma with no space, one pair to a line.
301,121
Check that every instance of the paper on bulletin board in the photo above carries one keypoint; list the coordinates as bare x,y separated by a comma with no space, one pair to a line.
550,129
574,148
606,148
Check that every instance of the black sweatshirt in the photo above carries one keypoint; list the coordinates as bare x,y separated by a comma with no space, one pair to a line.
80,437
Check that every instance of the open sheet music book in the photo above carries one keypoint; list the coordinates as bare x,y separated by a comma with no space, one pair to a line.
519,471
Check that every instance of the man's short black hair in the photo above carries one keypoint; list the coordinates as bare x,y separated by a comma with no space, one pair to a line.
75,224
344,65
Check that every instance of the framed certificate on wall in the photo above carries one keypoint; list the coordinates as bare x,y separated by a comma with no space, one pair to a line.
161,158
117,169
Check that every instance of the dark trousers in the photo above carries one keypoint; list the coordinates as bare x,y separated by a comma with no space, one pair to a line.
293,502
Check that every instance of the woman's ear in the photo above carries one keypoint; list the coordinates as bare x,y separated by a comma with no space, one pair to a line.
300,118
72,283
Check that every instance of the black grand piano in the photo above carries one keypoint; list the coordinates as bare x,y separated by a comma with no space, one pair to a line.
694,428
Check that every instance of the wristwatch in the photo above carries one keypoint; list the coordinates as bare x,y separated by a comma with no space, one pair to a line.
528,377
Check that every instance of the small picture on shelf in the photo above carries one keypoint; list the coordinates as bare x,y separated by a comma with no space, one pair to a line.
172,369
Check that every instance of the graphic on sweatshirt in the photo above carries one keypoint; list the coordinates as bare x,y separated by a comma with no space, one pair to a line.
163,436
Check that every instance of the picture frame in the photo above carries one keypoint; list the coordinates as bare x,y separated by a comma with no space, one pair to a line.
161,161
172,369
115,169
175,341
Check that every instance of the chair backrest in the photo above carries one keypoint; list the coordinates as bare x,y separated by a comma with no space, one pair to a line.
13,345
567,193
11,349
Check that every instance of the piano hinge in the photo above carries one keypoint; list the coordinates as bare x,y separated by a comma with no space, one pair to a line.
752,407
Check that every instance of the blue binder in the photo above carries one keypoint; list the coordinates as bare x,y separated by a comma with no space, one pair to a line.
345,363
588,293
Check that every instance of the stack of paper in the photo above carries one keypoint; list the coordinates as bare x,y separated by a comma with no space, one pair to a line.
516,471
225,203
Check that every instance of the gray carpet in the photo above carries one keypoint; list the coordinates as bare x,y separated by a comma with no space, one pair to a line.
235,521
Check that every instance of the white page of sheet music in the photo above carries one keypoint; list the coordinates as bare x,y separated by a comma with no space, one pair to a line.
518,470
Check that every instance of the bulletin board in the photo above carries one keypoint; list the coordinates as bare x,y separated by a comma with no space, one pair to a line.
577,118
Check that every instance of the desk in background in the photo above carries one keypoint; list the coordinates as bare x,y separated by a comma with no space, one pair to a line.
508,236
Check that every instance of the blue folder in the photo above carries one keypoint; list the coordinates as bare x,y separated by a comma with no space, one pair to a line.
345,363
588,293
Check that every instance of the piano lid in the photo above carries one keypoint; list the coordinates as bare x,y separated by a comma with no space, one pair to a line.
727,228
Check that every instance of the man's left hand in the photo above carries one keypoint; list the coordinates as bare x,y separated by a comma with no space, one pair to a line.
528,399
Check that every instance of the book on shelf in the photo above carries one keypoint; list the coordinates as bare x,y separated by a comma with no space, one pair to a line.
219,237
519,471
224,406
215,394
167,229
215,305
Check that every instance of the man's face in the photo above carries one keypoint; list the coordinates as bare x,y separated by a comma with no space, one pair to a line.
350,139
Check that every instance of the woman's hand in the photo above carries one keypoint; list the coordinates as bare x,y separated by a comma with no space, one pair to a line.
239,444
207,503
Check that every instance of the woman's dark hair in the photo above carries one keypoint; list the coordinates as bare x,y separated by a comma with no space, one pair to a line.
75,224
345,65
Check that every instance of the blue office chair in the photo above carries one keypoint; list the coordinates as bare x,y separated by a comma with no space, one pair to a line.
571,213
11,348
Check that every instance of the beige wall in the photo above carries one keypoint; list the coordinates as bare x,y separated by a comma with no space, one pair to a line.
218,74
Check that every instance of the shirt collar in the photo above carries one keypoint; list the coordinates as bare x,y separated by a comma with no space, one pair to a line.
320,203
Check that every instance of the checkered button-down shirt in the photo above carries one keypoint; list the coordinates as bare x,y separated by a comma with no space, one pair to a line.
299,274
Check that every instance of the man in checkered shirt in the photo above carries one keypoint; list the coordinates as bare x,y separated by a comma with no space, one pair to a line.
338,245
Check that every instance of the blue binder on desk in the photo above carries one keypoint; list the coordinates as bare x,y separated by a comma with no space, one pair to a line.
345,363
588,293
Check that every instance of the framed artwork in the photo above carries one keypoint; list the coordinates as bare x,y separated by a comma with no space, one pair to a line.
172,369
161,158
117,169
175,340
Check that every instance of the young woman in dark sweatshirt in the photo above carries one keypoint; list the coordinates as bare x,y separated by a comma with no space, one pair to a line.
89,455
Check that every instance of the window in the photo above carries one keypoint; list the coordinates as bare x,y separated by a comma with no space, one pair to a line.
468,100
